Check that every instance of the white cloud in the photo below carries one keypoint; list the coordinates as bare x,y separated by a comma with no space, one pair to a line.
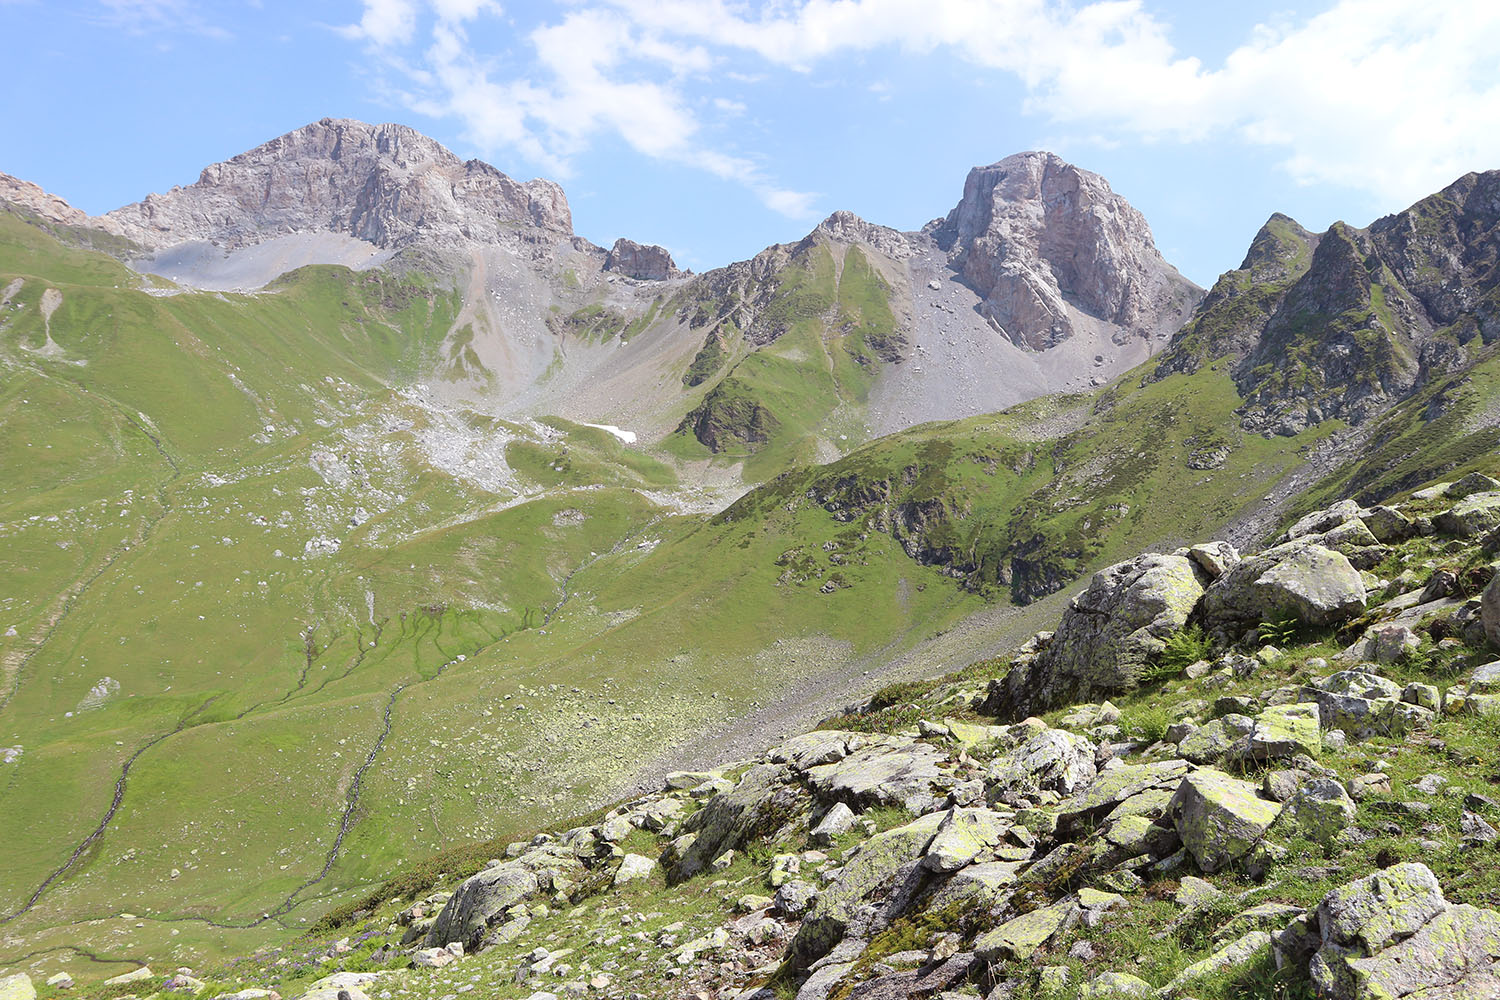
1393,97
593,72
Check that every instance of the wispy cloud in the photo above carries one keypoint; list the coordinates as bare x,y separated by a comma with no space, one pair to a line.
141,17
1393,97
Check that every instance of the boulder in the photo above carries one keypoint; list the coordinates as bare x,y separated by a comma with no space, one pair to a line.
634,868
1316,585
1214,558
1381,907
1114,986
964,836
763,801
1455,952
432,958
794,898
1108,633
1489,610
1286,730
1320,521
1053,760
836,822
927,980
1116,785
978,885
482,900
133,976
1319,810
1019,937
903,775
1212,742
17,987
1473,515
881,866
821,746
1219,818
1389,525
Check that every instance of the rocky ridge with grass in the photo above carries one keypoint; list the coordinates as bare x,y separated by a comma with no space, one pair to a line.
1260,774
1341,325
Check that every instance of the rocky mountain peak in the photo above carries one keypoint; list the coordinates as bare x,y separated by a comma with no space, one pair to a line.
384,184
846,227
646,263
1043,240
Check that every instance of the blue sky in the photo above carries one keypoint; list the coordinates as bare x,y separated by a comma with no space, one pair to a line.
716,128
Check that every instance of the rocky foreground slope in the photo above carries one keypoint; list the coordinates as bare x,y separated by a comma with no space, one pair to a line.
1287,791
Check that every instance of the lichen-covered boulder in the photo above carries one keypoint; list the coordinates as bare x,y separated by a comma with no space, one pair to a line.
481,900
1212,742
1300,578
634,868
1053,760
1116,785
904,775
1473,515
1453,955
1220,819
1108,633
1286,730
1020,936
1392,935
1320,521
1381,907
977,884
17,987
1114,986
764,800
1319,810
964,836
876,869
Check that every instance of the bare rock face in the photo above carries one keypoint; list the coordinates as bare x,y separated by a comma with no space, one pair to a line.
385,184
646,263
40,203
1042,241
846,227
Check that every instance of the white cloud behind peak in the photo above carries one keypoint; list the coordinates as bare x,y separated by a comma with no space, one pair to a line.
1390,97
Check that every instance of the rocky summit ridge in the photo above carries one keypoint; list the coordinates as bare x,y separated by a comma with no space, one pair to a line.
384,184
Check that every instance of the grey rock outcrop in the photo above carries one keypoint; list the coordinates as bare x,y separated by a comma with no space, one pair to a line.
645,263
1316,585
1107,635
385,184
1045,242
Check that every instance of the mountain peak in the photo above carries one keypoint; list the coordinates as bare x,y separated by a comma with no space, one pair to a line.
1043,240
385,184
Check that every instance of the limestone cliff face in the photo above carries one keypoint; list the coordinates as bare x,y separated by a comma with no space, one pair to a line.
1040,238
385,184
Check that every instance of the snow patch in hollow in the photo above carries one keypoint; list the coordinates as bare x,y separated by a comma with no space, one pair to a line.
627,437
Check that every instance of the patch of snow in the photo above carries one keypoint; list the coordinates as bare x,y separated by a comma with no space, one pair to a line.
627,437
